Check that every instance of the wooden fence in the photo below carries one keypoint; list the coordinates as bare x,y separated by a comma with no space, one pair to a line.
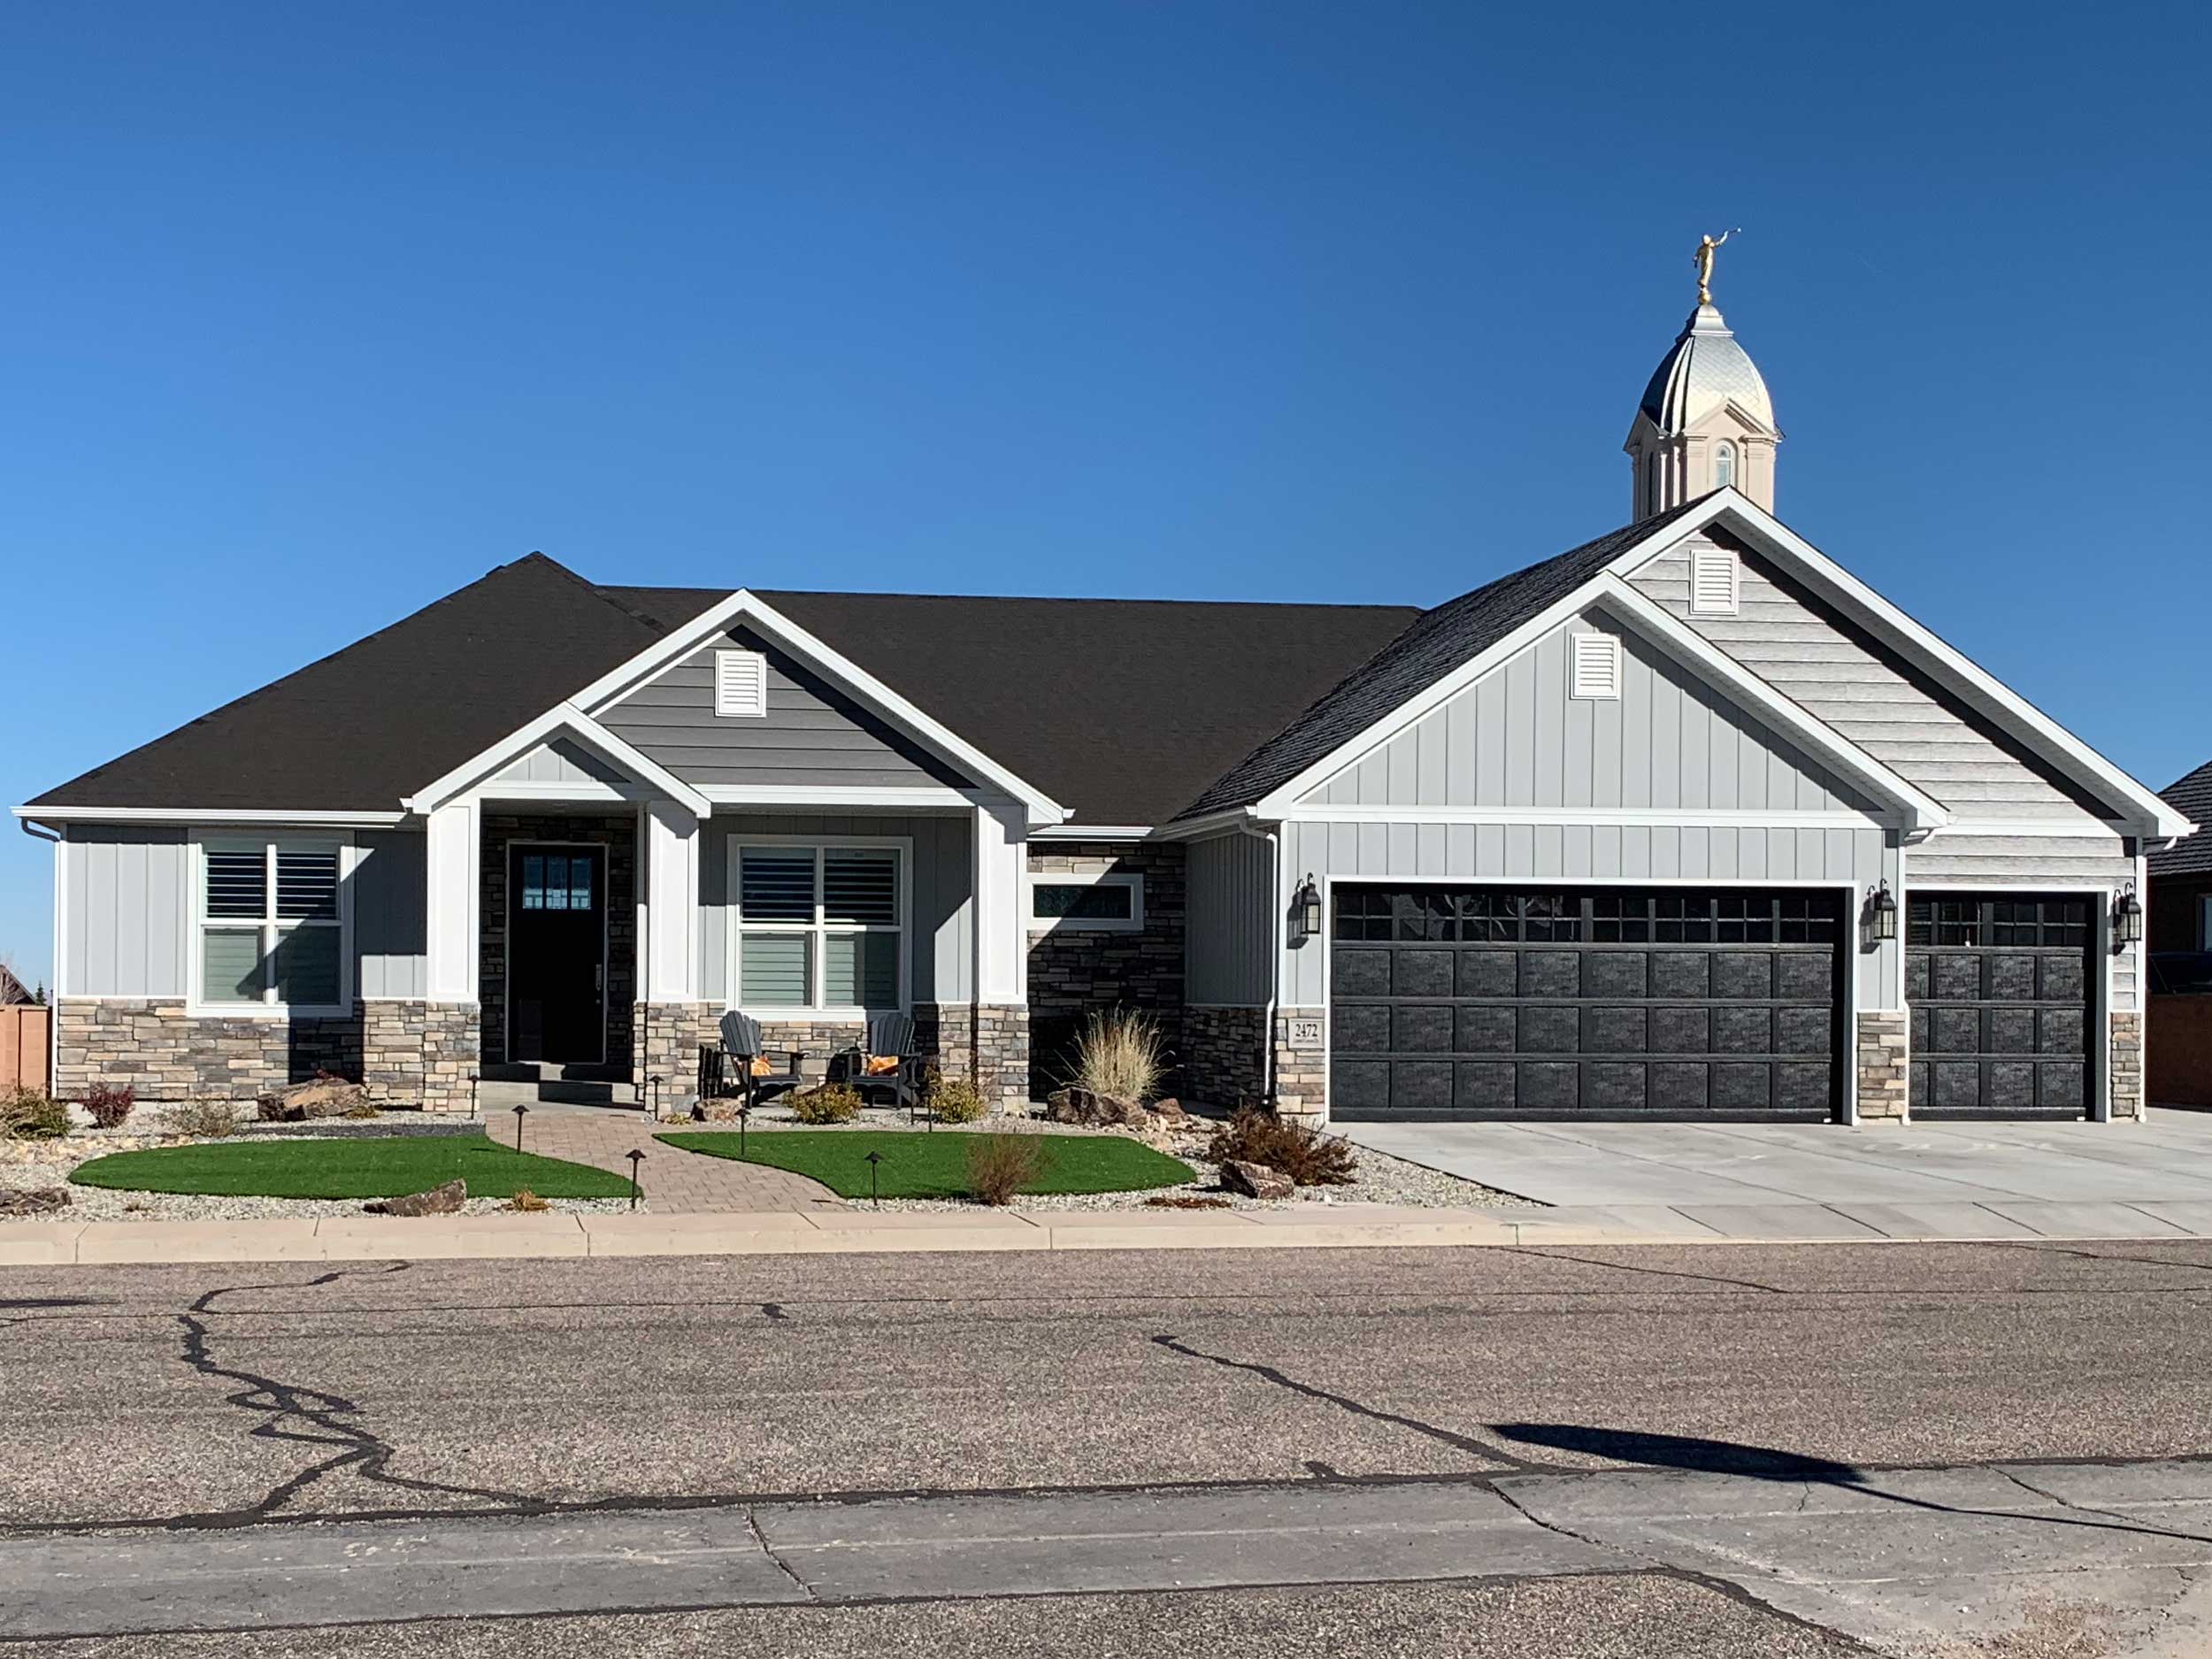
24,1046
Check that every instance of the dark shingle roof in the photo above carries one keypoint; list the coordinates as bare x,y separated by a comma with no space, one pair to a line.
1437,642
1122,710
362,729
2192,795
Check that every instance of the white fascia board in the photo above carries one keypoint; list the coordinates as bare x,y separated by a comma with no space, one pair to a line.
1656,623
1949,665
744,605
1280,801
563,717
205,815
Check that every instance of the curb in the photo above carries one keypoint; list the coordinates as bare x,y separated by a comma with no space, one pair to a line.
848,1231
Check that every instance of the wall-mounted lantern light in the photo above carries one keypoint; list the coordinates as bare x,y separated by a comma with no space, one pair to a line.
2127,918
1879,918
1305,909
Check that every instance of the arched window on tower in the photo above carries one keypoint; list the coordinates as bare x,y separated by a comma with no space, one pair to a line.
1724,465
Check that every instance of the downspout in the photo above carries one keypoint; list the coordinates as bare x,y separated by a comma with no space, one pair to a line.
39,832
1274,957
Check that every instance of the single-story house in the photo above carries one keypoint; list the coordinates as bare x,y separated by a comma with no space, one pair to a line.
1686,821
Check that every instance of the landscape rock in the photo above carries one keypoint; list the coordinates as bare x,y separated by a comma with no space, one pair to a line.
322,1097
1257,1181
32,1201
439,1200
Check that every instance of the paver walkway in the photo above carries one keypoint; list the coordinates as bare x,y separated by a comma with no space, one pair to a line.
674,1183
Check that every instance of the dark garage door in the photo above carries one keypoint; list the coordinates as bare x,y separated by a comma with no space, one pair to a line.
1999,986
1464,1001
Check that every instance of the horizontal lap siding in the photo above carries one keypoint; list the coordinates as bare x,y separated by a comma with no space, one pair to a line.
811,733
943,877
1232,921
1517,739
1568,853
1819,662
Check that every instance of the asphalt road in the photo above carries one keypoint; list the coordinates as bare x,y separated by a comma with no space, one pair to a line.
154,1407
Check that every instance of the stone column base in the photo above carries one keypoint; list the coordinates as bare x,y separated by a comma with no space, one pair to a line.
2126,1089
420,1055
1225,1055
1302,1064
1884,1056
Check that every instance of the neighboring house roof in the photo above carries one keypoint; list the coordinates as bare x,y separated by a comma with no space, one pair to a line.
1123,710
2192,855
1436,643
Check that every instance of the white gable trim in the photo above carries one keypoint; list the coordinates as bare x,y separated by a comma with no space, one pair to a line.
2012,712
562,717
1677,639
746,606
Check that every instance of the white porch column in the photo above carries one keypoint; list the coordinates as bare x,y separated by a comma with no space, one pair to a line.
670,963
1002,955
452,902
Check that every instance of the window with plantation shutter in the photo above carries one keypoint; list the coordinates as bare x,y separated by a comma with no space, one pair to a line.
1713,582
741,684
1595,666
270,926
819,928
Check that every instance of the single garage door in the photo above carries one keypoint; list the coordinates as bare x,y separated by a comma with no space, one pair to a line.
2000,985
1483,1002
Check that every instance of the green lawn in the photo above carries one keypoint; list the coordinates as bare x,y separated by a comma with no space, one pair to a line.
919,1163
384,1168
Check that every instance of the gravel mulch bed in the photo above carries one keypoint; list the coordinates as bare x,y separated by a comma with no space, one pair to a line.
1382,1179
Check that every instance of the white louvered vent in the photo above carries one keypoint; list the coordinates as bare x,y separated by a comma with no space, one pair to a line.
1597,666
1713,582
741,683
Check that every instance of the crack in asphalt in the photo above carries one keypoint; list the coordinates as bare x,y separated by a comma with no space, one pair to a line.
300,1415
1269,1373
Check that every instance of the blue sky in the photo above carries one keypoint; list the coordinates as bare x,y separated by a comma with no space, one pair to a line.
309,315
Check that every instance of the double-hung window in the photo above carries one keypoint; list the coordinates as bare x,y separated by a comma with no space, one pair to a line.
820,927
268,927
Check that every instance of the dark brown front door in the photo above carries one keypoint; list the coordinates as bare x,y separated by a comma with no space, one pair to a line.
556,954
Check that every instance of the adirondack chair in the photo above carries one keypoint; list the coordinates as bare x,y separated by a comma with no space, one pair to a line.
741,1044
891,1036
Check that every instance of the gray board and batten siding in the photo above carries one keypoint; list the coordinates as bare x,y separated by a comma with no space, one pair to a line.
811,733
127,898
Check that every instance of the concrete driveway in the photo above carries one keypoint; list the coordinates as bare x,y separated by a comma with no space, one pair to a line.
2167,1160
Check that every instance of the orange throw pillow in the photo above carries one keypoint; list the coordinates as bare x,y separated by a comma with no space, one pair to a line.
761,1068
879,1064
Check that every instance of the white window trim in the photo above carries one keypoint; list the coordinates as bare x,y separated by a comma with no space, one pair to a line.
1581,684
724,707
198,921
901,845
1133,923
1702,559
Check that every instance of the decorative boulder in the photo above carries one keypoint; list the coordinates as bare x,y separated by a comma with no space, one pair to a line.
439,1200
32,1201
1257,1181
322,1097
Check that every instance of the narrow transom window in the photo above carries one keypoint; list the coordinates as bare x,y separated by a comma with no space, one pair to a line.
270,926
1596,666
1714,582
741,684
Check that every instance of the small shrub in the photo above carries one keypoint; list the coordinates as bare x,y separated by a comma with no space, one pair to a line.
831,1103
1119,1053
527,1201
202,1119
1304,1153
27,1114
999,1166
954,1100
109,1107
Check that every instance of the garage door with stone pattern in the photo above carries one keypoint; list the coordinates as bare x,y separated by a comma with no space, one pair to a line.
1999,986
1465,1002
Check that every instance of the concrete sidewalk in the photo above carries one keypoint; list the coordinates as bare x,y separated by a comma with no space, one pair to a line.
1303,1227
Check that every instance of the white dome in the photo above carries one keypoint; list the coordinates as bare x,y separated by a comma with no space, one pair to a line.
1705,369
